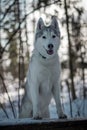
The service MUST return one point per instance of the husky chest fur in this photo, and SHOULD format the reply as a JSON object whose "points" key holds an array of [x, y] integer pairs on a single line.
{"points": [[43, 77]]}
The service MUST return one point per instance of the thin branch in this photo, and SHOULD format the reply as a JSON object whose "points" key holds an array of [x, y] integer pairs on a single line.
{"points": [[7, 10], [4, 110], [26, 31], [24, 20], [8, 96], [20, 52], [70, 101]]}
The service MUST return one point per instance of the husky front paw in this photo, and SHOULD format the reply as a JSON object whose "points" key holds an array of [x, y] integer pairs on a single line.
{"points": [[37, 118], [63, 116]]}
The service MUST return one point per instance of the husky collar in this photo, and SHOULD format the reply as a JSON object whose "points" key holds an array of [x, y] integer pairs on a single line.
{"points": [[42, 56]]}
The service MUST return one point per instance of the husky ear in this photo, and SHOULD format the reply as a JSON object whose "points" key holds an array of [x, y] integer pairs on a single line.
{"points": [[40, 24], [54, 23]]}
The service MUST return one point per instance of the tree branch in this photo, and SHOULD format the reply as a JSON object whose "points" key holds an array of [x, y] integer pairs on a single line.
{"points": [[23, 21], [8, 96]]}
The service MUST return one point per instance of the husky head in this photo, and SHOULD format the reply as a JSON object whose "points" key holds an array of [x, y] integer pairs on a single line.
{"points": [[47, 39]]}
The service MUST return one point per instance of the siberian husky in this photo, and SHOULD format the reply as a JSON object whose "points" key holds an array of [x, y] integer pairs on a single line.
{"points": [[43, 77]]}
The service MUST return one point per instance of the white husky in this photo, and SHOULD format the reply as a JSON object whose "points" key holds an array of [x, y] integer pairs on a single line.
{"points": [[43, 78]]}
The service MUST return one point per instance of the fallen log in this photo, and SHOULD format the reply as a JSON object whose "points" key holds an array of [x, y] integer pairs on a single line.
{"points": [[54, 124]]}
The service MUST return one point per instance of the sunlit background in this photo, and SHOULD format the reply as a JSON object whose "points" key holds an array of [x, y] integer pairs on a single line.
{"points": [[18, 19]]}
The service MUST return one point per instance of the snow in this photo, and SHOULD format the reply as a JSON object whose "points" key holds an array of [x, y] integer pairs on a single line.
{"points": [[73, 109], [79, 109]]}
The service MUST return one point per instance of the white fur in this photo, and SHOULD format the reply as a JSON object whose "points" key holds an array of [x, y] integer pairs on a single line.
{"points": [[43, 77]]}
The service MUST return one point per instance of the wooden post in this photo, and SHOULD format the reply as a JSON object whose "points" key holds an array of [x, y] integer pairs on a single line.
{"points": [[55, 124]]}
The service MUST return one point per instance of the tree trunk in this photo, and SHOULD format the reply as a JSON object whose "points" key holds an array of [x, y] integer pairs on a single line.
{"points": [[69, 51]]}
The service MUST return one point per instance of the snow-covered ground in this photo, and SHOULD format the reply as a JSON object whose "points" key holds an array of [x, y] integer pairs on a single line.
{"points": [[78, 108]]}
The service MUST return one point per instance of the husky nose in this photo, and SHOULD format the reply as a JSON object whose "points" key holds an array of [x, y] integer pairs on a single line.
{"points": [[50, 46]]}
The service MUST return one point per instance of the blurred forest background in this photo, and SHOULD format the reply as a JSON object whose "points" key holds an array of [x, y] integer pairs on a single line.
{"points": [[17, 28]]}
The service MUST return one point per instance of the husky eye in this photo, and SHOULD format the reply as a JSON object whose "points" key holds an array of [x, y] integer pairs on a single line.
{"points": [[53, 36], [44, 37]]}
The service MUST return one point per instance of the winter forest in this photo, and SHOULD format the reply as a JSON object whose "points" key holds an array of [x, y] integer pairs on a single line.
{"points": [[18, 19]]}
